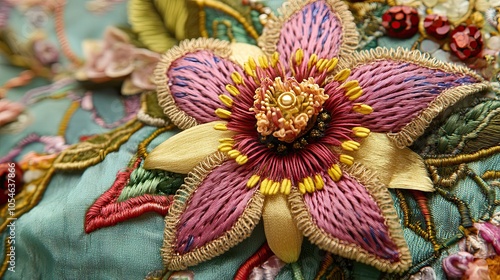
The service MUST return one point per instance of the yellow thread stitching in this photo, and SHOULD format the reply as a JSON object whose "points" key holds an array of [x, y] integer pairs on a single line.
{"points": [[222, 113], [220, 127], [226, 100], [67, 117], [361, 132], [467, 158], [362, 108], [335, 172]]}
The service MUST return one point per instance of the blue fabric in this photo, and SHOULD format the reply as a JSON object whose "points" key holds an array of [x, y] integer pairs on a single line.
{"points": [[50, 239]]}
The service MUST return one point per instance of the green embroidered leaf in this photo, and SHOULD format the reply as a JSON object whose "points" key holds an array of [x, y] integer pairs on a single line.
{"points": [[160, 24], [95, 149], [20, 54], [151, 113], [467, 130], [156, 182], [226, 20]]}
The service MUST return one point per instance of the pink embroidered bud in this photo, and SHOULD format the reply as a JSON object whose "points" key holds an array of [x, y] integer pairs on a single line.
{"points": [[490, 234], [455, 265]]}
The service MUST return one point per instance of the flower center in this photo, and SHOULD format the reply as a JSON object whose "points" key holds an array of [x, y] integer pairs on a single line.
{"points": [[287, 109]]}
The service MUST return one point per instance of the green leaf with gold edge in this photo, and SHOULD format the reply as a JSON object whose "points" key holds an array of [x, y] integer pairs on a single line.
{"points": [[95, 149]]}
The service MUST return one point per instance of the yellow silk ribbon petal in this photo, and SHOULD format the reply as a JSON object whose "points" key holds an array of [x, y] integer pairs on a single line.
{"points": [[395, 167], [183, 151], [283, 236], [241, 52]]}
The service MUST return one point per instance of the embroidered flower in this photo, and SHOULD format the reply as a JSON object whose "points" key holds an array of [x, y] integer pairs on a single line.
{"points": [[457, 264], [306, 134], [46, 52], [464, 266], [9, 111], [142, 77], [115, 57], [489, 233]]}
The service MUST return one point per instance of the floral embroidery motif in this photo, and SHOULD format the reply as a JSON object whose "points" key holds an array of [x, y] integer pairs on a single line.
{"points": [[117, 205], [117, 58], [305, 135], [95, 149], [479, 254]]}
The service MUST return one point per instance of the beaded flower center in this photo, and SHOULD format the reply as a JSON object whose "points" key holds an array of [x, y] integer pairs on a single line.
{"points": [[287, 109], [301, 129]]}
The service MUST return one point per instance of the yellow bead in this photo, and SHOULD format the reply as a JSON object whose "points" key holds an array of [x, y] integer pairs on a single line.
{"points": [[225, 147], [324, 65], [226, 140], [274, 59], [312, 61], [350, 84], [248, 70], [332, 64], [342, 75], [335, 172], [318, 63], [346, 159], [318, 182], [220, 126], [350, 145], [302, 188], [232, 90], [251, 63], [233, 153], [361, 132], [275, 188], [286, 186], [222, 113], [241, 159], [362, 108], [226, 100], [237, 78], [264, 186], [252, 182], [299, 56], [354, 93], [309, 183], [263, 62]]}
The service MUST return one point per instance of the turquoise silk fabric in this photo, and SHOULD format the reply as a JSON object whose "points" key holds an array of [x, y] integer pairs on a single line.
{"points": [[50, 238]]}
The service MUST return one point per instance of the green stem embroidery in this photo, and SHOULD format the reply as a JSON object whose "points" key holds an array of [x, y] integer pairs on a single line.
{"points": [[297, 273]]}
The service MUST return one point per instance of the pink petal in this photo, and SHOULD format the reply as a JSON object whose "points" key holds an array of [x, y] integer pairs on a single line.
{"points": [[211, 213], [355, 220], [9, 111], [145, 63], [407, 90], [455, 265], [490, 233], [190, 78], [122, 60], [325, 28]]}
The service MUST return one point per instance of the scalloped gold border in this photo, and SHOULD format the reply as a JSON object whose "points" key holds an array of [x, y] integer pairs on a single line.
{"points": [[165, 99], [339, 247], [240, 230], [270, 35], [411, 131]]}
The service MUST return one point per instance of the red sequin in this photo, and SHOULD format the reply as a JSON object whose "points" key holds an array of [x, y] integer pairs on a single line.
{"points": [[466, 41], [437, 26], [400, 22]]}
